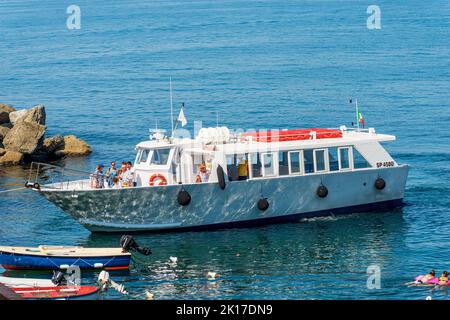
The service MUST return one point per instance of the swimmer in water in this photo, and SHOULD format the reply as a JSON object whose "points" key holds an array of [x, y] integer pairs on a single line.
{"points": [[443, 279], [427, 277]]}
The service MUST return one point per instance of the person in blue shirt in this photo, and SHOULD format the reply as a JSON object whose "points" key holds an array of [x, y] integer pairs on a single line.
{"points": [[111, 173]]}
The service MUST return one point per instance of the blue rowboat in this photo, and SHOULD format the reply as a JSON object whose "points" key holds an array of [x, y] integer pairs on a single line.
{"points": [[61, 257]]}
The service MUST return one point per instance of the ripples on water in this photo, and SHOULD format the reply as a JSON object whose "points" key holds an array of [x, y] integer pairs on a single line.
{"points": [[261, 64]]}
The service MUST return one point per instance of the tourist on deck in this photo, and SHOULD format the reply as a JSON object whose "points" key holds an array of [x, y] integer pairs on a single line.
{"points": [[131, 169], [121, 172], [203, 173], [243, 170], [97, 177], [128, 176], [111, 173], [116, 183]]}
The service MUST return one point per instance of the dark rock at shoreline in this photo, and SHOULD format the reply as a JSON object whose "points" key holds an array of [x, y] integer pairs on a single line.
{"points": [[3, 132], [5, 110]]}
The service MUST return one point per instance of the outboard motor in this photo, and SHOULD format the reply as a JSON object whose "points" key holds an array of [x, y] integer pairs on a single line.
{"points": [[128, 244], [59, 278]]}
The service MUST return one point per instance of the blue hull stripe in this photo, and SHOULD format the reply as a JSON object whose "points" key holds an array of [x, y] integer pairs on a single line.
{"points": [[23, 261]]}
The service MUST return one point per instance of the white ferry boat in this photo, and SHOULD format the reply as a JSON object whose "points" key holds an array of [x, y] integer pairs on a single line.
{"points": [[255, 178]]}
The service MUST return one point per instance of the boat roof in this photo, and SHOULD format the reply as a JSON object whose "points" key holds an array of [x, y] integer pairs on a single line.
{"points": [[257, 141], [60, 251]]}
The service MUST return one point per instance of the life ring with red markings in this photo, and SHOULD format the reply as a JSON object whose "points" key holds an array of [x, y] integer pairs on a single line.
{"points": [[160, 177]]}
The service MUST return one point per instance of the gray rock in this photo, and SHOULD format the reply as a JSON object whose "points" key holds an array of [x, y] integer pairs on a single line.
{"points": [[6, 125], [25, 137], [3, 132], [11, 158], [35, 114], [5, 110], [53, 143]]}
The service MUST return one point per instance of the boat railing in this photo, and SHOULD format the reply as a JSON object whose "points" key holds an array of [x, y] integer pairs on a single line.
{"points": [[58, 177]]}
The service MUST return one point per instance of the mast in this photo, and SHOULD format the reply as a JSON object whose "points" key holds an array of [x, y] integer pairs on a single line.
{"points": [[357, 114], [171, 106]]}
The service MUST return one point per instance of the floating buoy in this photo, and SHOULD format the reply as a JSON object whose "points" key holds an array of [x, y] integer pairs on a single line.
{"points": [[221, 177], [211, 275], [184, 198], [322, 191], [263, 204], [380, 183], [173, 259], [149, 295]]}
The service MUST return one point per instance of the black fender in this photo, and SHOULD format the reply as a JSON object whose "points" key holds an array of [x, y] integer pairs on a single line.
{"points": [[184, 198], [322, 191], [263, 204], [221, 177]]}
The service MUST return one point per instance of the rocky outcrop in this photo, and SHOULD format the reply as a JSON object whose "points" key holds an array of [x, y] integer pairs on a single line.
{"points": [[3, 132], [22, 138], [25, 137], [11, 158], [5, 110], [52, 144], [35, 114], [73, 146]]}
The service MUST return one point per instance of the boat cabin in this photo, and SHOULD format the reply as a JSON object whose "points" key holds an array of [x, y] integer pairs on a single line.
{"points": [[169, 161]]}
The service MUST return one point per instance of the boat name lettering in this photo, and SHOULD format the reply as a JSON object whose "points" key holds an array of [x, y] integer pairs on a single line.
{"points": [[385, 164]]}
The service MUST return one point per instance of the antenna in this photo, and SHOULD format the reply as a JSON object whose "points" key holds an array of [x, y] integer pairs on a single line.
{"points": [[171, 104], [357, 112]]}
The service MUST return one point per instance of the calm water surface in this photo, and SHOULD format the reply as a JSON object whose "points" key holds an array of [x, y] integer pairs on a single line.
{"points": [[266, 64]]}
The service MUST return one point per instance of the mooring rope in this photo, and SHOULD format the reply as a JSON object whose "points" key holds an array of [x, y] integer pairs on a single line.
{"points": [[10, 190]]}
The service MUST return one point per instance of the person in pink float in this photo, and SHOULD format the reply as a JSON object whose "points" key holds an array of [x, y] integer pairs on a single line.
{"points": [[427, 278]]}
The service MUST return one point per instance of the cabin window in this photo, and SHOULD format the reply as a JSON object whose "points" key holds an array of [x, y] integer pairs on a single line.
{"points": [[268, 162], [160, 156], [359, 162], [256, 169], [237, 166], [143, 156], [344, 158], [308, 159], [333, 159], [294, 162], [283, 163], [319, 160]]}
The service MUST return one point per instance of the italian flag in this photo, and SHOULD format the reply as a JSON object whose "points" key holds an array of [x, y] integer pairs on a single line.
{"points": [[360, 119]]}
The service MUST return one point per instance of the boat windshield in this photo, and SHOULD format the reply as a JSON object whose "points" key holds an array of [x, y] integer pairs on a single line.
{"points": [[160, 156]]}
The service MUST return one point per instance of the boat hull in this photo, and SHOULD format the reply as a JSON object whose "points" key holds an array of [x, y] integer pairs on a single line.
{"points": [[291, 198], [14, 261]]}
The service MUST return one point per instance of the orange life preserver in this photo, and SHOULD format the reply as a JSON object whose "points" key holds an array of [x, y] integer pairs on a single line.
{"points": [[159, 176]]}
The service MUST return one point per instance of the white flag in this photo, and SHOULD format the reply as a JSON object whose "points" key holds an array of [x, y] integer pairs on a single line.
{"points": [[182, 118]]}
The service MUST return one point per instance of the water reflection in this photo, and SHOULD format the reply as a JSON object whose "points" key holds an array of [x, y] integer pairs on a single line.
{"points": [[289, 260]]}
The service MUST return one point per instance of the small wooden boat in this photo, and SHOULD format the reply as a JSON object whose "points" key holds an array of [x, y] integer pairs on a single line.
{"points": [[26, 282], [56, 292], [61, 257]]}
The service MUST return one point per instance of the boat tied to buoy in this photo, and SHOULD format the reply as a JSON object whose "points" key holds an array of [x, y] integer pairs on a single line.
{"points": [[223, 178]]}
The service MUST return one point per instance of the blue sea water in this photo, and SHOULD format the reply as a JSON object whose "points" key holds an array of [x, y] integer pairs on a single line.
{"points": [[259, 64]]}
